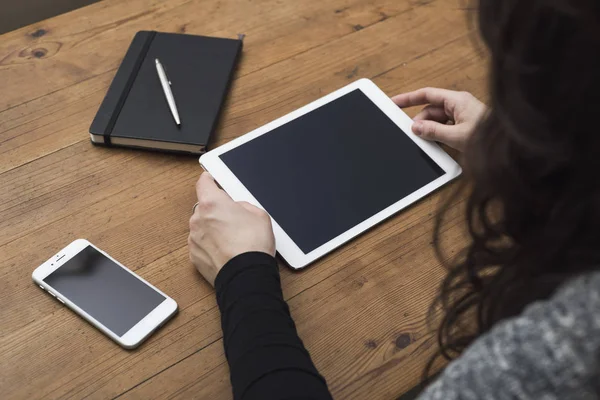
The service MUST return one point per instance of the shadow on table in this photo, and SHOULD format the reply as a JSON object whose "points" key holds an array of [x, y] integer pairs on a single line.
{"points": [[412, 394], [16, 14]]}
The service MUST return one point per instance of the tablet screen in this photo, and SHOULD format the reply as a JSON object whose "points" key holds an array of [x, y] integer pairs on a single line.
{"points": [[331, 169]]}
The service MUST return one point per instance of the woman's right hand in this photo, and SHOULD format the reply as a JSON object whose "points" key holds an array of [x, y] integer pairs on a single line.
{"points": [[461, 109], [221, 229]]}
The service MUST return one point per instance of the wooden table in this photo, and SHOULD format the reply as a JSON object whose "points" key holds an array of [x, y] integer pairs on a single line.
{"points": [[361, 311]]}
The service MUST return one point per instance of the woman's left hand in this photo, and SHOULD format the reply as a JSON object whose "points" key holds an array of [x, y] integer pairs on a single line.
{"points": [[221, 229], [461, 109]]}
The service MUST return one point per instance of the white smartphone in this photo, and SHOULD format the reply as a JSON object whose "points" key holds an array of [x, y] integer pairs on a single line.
{"points": [[105, 293]]}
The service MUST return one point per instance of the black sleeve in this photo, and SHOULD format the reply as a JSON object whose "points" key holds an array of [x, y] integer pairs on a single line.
{"points": [[267, 359]]}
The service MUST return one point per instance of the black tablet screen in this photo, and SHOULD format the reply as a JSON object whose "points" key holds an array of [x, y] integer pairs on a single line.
{"points": [[329, 170]]}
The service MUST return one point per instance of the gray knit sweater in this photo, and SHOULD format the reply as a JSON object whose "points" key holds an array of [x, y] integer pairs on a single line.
{"points": [[550, 351]]}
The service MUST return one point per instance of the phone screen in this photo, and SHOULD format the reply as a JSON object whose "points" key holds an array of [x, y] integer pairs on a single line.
{"points": [[104, 290]]}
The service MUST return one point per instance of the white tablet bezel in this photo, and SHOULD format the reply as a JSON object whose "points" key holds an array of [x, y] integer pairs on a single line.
{"points": [[286, 247], [136, 334]]}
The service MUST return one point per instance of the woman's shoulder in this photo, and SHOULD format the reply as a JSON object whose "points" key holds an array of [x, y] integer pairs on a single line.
{"points": [[573, 311], [585, 286], [549, 351]]}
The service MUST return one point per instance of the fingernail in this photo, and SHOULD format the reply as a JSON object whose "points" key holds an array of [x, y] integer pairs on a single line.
{"points": [[418, 128]]}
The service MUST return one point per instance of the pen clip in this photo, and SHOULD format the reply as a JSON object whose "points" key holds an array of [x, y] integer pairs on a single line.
{"points": [[166, 74]]}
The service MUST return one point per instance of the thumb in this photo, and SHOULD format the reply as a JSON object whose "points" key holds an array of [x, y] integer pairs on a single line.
{"points": [[435, 131], [207, 189]]}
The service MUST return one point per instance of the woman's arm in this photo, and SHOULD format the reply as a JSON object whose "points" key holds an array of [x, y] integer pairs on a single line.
{"points": [[232, 246], [266, 357]]}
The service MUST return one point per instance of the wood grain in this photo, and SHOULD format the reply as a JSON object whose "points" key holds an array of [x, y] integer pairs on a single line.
{"points": [[361, 311]]}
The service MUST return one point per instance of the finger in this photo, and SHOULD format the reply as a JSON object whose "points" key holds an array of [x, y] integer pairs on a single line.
{"points": [[432, 113], [431, 130], [420, 97], [207, 189]]}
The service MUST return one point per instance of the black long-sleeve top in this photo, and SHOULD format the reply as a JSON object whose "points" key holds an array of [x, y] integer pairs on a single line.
{"points": [[267, 359]]}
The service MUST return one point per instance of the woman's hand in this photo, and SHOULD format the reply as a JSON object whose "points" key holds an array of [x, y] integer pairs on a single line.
{"points": [[461, 109], [221, 229]]}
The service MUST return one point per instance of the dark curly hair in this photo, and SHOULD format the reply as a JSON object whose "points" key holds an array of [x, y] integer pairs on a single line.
{"points": [[531, 167]]}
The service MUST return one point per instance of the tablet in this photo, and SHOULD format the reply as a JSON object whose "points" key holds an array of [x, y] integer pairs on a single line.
{"points": [[329, 171]]}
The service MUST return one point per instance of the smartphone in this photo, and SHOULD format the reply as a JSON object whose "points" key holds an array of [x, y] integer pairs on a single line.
{"points": [[105, 293]]}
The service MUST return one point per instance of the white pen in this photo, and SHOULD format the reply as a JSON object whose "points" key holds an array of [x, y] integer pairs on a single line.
{"points": [[166, 85]]}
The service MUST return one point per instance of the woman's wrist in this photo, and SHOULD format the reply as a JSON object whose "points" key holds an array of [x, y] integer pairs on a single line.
{"points": [[238, 263]]}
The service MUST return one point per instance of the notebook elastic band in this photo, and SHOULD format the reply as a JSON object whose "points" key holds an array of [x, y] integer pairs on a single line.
{"points": [[127, 88]]}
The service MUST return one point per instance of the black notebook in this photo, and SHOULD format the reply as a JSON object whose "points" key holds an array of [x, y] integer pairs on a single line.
{"points": [[135, 112]]}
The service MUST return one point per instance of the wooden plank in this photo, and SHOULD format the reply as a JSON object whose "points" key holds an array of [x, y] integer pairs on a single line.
{"points": [[64, 104], [127, 171], [196, 327], [367, 320], [93, 365], [90, 356], [253, 105], [404, 284], [360, 310]]}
